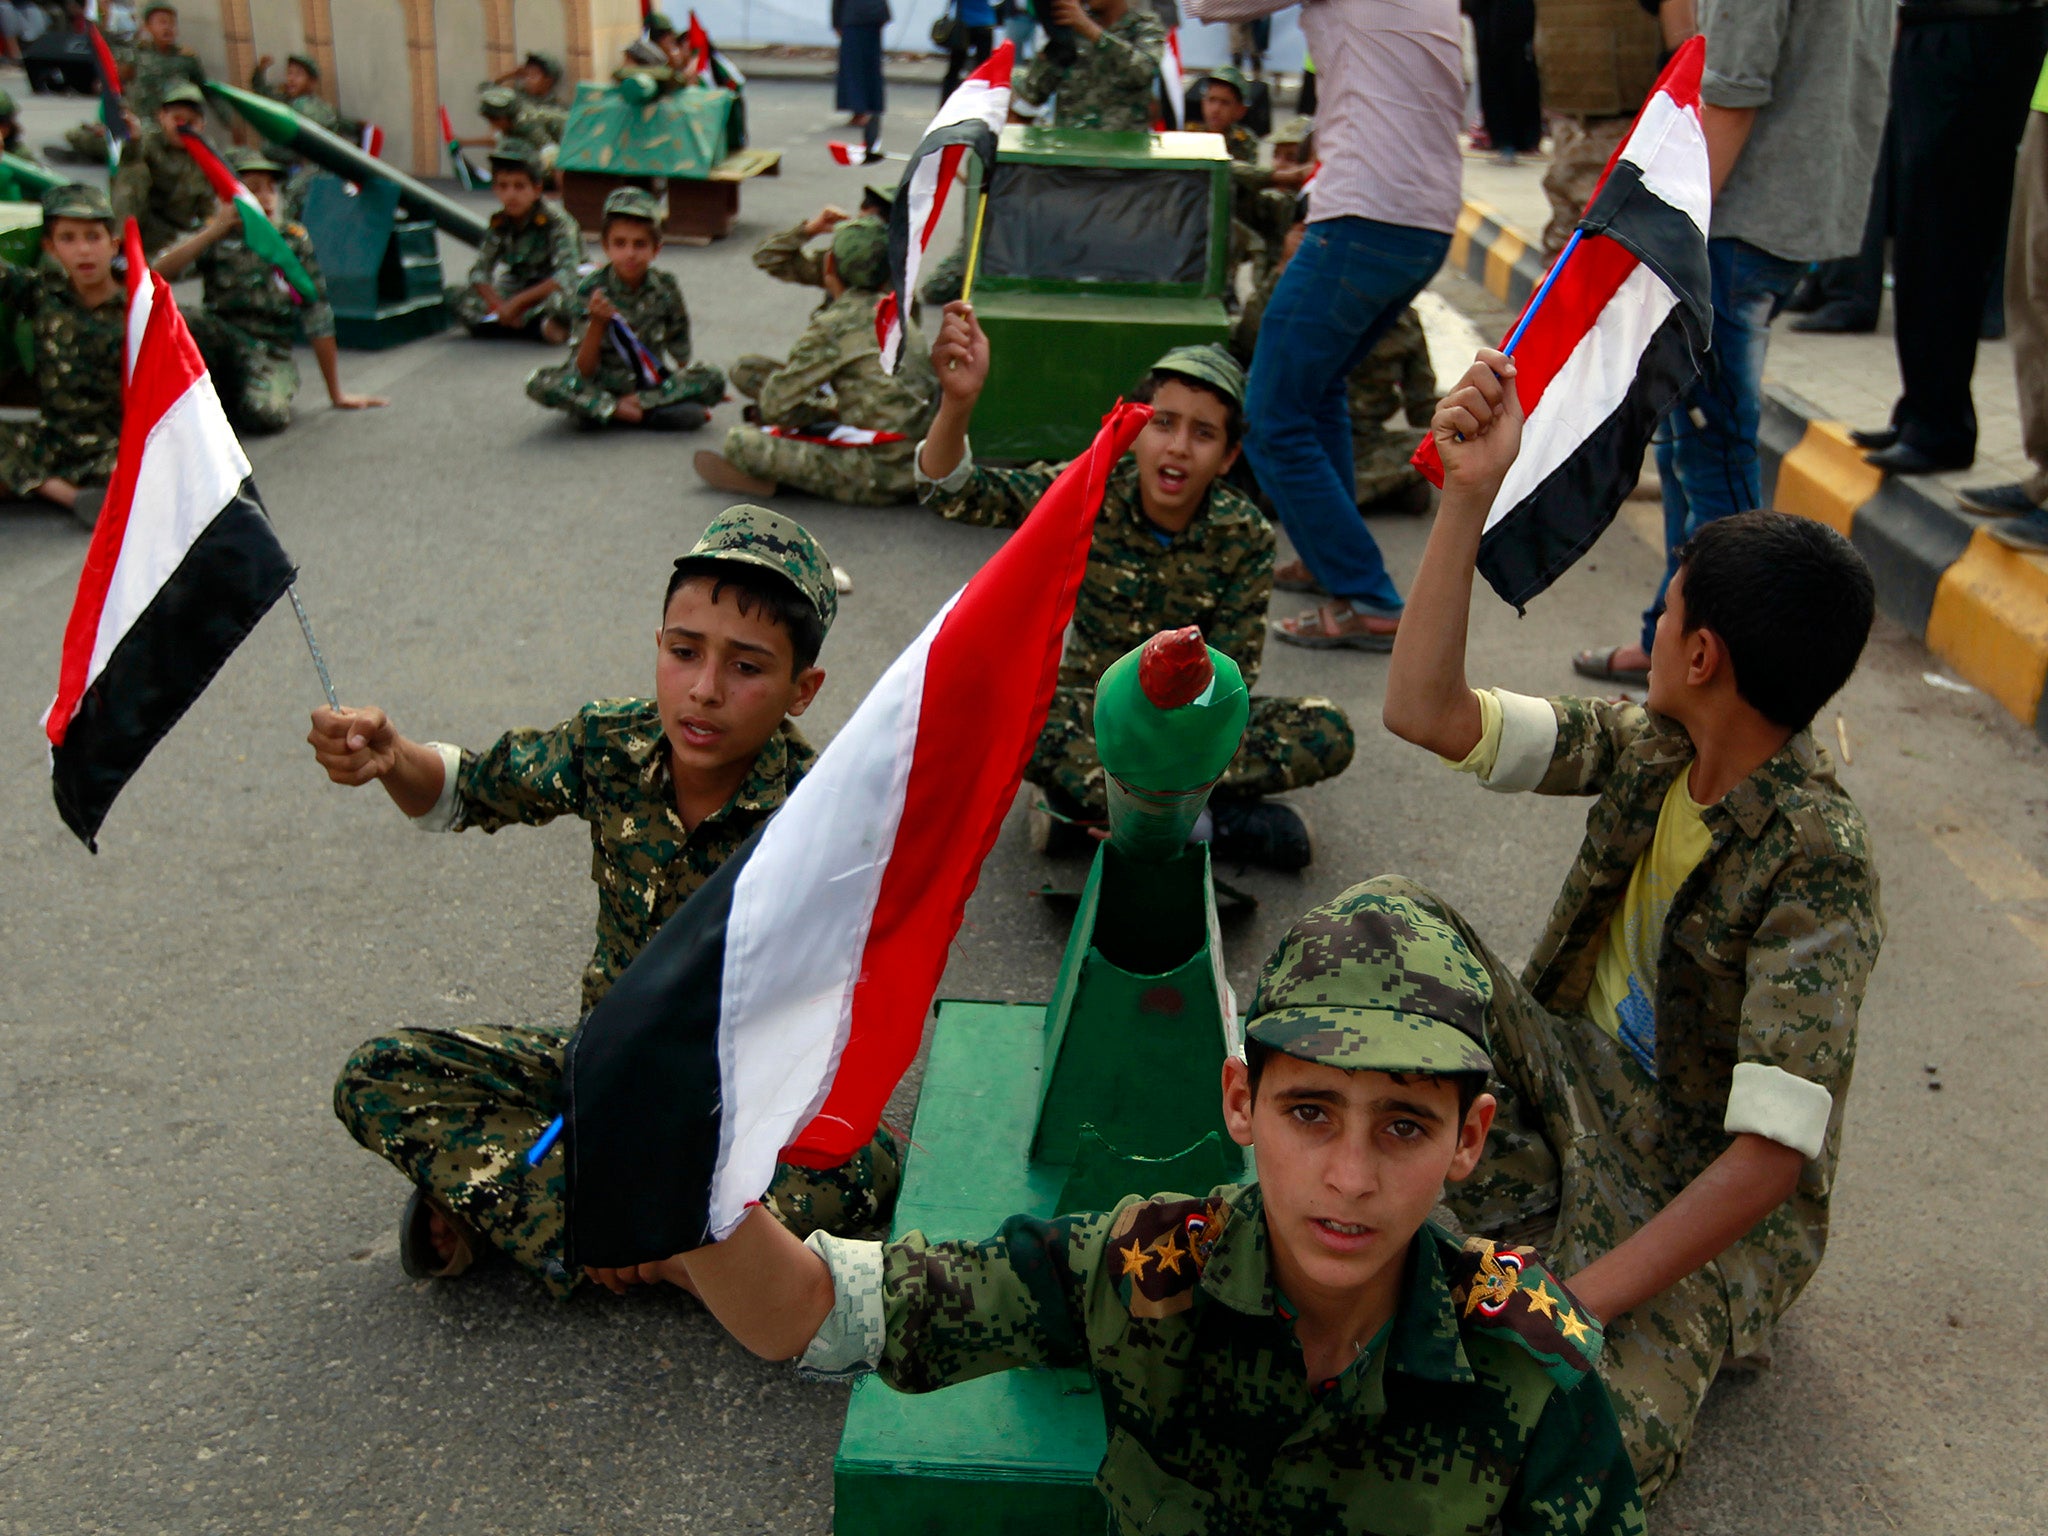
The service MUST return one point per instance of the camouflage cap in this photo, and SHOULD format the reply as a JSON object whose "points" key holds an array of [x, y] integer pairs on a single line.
{"points": [[875, 192], [7, 106], [184, 93], [76, 200], [1231, 76], [498, 101], [154, 6], [246, 160], [517, 155], [305, 62], [860, 252], [1212, 364], [546, 63], [1373, 982], [658, 25], [753, 535], [632, 203], [1296, 130]]}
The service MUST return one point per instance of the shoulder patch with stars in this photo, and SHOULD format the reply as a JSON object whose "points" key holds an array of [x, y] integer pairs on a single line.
{"points": [[1506, 1293], [1159, 1248]]}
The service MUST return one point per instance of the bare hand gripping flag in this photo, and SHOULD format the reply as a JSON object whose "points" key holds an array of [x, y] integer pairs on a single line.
{"points": [[770, 1019], [182, 564], [1611, 347]]}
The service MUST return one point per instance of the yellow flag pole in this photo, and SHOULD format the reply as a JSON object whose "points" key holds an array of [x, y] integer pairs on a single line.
{"points": [[974, 250]]}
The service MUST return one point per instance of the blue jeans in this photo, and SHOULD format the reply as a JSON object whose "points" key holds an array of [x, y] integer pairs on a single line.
{"points": [[1708, 464], [1346, 285]]}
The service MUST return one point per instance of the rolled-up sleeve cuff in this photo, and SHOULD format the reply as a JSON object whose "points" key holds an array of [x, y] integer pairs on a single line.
{"points": [[1528, 741], [1736, 92], [444, 813], [848, 1344], [951, 484], [1770, 1102]]}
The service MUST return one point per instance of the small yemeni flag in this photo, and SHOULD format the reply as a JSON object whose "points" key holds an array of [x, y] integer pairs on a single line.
{"points": [[841, 436], [258, 233], [1172, 88], [647, 368], [182, 564], [1615, 342], [111, 113], [372, 139], [465, 173], [970, 119], [770, 1019]]}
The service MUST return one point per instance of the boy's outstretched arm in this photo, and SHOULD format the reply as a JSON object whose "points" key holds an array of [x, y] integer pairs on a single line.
{"points": [[771, 1292], [960, 358], [356, 746], [1478, 430]]}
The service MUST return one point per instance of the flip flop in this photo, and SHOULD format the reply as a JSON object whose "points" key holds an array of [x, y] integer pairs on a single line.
{"points": [[1599, 665], [1335, 627], [417, 1255]]}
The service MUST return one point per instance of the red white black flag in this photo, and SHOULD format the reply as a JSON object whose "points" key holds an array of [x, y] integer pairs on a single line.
{"points": [[1612, 345], [182, 564], [770, 1019], [970, 121]]}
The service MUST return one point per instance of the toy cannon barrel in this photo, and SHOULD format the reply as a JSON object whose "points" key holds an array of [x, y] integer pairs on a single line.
{"points": [[25, 181], [282, 126], [1168, 719]]}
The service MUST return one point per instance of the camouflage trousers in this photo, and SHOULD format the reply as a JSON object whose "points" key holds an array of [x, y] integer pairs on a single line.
{"points": [[1578, 157], [1379, 460], [1288, 744], [1573, 1166], [87, 139], [456, 1111], [880, 476], [467, 305], [33, 451], [563, 388], [257, 382]]}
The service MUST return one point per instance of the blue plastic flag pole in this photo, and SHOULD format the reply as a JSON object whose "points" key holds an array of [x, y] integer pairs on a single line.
{"points": [[547, 1139], [1542, 292]]}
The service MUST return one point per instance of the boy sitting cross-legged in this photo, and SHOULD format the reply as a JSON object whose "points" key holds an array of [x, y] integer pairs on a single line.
{"points": [[525, 271], [1307, 1352], [1673, 1061], [671, 787]]}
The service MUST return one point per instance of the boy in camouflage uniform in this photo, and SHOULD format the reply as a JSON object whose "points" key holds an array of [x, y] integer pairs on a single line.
{"points": [[11, 140], [1174, 545], [785, 256], [1307, 1353], [600, 384], [526, 269], [158, 184], [300, 92], [1674, 1060], [516, 120], [671, 786], [77, 315], [250, 317], [859, 423], [151, 66], [1108, 78]]}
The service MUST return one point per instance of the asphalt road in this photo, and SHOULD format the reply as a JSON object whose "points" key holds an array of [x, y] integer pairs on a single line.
{"points": [[204, 1323]]}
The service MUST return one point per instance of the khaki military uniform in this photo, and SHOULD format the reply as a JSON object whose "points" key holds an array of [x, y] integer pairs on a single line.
{"points": [[162, 188], [1474, 1409], [1766, 952], [147, 73], [1113, 81], [1598, 60], [78, 355], [457, 1110], [785, 258], [834, 378], [1217, 574], [248, 323], [514, 257], [656, 312]]}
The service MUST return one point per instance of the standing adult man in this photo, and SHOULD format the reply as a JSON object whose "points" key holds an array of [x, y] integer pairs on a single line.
{"points": [[1101, 60], [1598, 60], [1380, 223], [1792, 102], [1961, 74]]}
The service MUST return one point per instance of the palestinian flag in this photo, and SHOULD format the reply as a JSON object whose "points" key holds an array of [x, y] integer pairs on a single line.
{"points": [[182, 564], [112, 114], [770, 1019], [466, 175], [258, 233], [711, 64], [1173, 89], [970, 120], [1614, 338]]}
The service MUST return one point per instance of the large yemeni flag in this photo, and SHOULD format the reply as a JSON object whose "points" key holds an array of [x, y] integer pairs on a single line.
{"points": [[1615, 342], [182, 564], [1173, 91], [770, 1019], [969, 122]]}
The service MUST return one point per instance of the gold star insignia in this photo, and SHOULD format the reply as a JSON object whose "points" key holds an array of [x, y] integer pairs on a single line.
{"points": [[1135, 1259], [1169, 1257], [1568, 1323], [1540, 1300]]}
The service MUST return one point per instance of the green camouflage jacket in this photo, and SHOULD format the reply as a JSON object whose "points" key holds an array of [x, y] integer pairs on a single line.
{"points": [[834, 375], [608, 765], [1112, 82], [656, 312], [1766, 951], [162, 188], [1476, 1409], [151, 72], [538, 125], [78, 353], [1243, 145], [514, 257], [244, 290], [784, 258], [1216, 573]]}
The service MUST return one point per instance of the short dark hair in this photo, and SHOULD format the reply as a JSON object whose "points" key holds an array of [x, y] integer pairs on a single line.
{"points": [[610, 219], [756, 586], [1233, 422], [1470, 1084], [1792, 601]]}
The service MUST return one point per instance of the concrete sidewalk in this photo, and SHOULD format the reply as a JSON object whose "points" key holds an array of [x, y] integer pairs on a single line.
{"points": [[1979, 606]]}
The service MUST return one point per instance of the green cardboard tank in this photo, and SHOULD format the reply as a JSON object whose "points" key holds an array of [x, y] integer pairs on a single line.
{"points": [[1099, 253], [690, 141]]}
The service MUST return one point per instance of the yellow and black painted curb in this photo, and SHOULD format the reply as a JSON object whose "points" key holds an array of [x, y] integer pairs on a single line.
{"points": [[1498, 257], [1979, 606]]}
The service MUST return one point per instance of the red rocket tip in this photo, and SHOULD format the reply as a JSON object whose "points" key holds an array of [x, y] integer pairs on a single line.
{"points": [[1174, 667]]}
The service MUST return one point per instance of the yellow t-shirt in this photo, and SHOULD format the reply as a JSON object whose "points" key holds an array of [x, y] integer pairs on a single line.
{"points": [[1623, 996]]}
